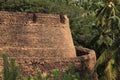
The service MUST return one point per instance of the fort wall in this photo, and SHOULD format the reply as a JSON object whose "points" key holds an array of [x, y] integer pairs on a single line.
{"points": [[42, 42], [35, 35]]}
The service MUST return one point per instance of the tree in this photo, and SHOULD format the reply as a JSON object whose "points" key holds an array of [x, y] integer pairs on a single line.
{"points": [[108, 39]]}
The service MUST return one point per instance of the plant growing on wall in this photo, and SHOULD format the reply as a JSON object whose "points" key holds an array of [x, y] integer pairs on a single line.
{"points": [[10, 70]]}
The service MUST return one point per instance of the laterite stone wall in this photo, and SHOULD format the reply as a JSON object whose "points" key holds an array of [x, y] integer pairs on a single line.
{"points": [[35, 35], [42, 42]]}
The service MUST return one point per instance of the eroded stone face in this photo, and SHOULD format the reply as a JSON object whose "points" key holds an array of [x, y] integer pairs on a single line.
{"points": [[35, 35], [42, 42], [84, 64]]}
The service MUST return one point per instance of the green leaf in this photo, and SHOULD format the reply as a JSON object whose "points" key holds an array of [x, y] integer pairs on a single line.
{"points": [[100, 40], [107, 55], [109, 41]]}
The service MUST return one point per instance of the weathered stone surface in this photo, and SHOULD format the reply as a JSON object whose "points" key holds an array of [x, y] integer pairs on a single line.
{"points": [[83, 64], [35, 34], [42, 42], [88, 58]]}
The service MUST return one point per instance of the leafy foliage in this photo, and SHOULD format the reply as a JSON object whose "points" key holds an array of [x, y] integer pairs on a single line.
{"points": [[10, 69], [108, 24]]}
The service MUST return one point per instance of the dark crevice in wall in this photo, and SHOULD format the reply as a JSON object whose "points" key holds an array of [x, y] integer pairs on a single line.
{"points": [[62, 19], [34, 18]]}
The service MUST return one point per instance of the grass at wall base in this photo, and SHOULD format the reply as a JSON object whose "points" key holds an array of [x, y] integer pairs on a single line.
{"points": [[10, 72]]}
